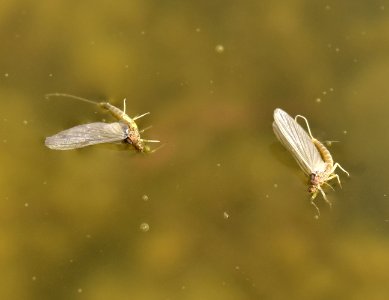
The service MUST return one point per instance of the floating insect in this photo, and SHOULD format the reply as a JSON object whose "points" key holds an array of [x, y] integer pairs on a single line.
{"points": [[312, 156], [96, 133]]}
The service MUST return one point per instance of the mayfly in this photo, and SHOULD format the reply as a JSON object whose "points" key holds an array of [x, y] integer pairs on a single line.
{"points": [[96, 133], [312, 156]]}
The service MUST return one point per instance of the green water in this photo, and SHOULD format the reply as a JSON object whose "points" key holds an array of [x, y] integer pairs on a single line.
{"points": [[222, 210]]}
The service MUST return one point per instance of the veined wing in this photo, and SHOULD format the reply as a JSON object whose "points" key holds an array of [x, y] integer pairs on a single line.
{"points": [[298, 142], [88, 134]]}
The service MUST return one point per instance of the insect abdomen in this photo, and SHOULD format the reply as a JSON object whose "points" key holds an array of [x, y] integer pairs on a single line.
{"points": [[325, 154], [116, 112]]}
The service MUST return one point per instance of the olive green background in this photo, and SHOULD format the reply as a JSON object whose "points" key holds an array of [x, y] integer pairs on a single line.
{"points": [[228, 209]]}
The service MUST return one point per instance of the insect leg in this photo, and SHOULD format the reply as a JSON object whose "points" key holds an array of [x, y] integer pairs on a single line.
{"points": [[140, 116], [144, 129], [124, 105], [150, 141], [314, 204], [154, 150], [306, 122], [333, 176], [329, 184], [336, 165], [324, 196]]}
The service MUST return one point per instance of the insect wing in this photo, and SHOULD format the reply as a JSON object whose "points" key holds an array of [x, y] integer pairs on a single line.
{"points": [[88, 134], [298, 142]]}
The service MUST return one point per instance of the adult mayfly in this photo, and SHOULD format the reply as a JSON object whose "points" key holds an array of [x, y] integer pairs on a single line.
{"points": [[312, 156], [96, 133]]}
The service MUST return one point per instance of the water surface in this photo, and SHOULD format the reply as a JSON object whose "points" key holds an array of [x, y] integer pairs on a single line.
{"points": [[222, 211]]}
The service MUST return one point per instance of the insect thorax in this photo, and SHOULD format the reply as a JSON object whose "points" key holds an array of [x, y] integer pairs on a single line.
{"points": [[315, 180], [135, 140]]}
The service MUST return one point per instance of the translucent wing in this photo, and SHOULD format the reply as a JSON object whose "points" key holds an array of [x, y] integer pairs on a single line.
{"points": [[88, 134], [298, 142]]}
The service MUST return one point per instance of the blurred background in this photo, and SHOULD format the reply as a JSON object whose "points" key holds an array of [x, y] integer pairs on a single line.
{"points": [[222, 210]]}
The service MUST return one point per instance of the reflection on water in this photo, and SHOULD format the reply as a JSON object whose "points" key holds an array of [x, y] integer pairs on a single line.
{"points": [[222, 211]]}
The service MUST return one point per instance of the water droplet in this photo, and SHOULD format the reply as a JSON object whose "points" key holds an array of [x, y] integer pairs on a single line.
{"points": [[226, 215], [25, 122], [145, 198], [79, 290], [318, 100]]}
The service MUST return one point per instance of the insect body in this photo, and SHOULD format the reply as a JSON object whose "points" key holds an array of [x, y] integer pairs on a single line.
{"points": [[132, 133], [312, 156]]}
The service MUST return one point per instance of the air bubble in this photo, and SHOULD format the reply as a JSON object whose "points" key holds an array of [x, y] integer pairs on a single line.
{"points": [[144, 227], [219, 49]]}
